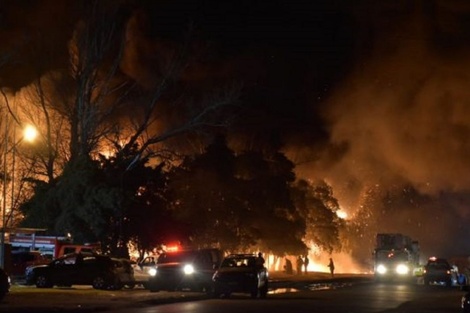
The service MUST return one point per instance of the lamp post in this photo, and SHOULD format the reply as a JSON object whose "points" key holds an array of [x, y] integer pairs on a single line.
{"points": [[29, 134]]}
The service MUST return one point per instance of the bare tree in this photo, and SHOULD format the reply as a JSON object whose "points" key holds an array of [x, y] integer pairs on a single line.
{"points": [[9, 122], [110, 109], [93, 68]]}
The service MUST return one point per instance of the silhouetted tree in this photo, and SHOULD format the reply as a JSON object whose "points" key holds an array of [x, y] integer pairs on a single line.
{"points": [[318, 207], [273, 217], [205, 194]]}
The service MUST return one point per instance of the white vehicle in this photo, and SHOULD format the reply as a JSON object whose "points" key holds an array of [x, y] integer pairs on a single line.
{"points": [[143, 269]]}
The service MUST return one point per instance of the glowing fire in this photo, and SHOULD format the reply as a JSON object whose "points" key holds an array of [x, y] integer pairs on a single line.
{"points": [[342, 214]]}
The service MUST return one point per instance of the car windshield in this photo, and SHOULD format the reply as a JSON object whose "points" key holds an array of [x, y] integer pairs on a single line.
{"points": [[180, 257], [438, 265]]}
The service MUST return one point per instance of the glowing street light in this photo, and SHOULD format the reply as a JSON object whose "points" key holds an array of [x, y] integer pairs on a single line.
{"points": [[30, 133]]}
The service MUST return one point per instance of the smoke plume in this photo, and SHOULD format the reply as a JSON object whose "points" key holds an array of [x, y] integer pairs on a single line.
{"points": [[402, 119]]}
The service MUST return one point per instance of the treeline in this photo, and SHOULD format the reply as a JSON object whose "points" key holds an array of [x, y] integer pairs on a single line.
{"points": [[235, 201]]}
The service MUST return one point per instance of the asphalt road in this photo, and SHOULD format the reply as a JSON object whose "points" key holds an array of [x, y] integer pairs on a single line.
{"points": [[361, 298], [86, 299], [307, 293]]}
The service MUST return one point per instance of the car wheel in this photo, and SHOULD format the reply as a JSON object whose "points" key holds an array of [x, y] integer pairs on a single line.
{"points": [[3, 289], [215, 294], [263, 292], [116, 285], [99, 282], [207, 289], [254, 293], [152, 287], [43, 282]]}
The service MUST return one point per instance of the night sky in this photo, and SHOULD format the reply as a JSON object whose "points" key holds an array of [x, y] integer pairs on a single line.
{"points": [[364, 94]]}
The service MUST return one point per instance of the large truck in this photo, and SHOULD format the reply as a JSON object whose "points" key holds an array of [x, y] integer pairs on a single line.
{"points": [[396, 256], [52, 246]]}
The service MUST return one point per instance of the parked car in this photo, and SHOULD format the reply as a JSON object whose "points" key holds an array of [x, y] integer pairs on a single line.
{"points": [[77, 269], [20, 260], [125, 273], [4, 283], [437, 271], [142, 270], [185, 270], [241, 273]]}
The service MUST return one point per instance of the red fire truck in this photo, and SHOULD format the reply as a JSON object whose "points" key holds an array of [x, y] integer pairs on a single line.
{"points": [[51, 246]]}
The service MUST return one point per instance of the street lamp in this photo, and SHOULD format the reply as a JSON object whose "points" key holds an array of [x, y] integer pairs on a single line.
{"points": [[29, 134]]}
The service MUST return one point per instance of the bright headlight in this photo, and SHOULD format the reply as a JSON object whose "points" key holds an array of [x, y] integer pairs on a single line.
{"points": [[152, 271], [465, 301], [402, 269], [381, 269], [188, 269]]}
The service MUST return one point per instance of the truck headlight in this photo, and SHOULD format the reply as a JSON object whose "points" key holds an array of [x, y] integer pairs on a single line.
{"points": [[402, 269], [381, 269], [188, 269]]}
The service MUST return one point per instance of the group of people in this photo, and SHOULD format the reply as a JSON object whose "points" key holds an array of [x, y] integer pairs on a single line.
{"points": [[302, 265], [302, 262]]}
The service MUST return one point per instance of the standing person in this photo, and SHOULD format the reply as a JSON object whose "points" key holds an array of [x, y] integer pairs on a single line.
{"points": [[260, 260], [331, 265], [299, 265], [288, 267], [306, 261]]}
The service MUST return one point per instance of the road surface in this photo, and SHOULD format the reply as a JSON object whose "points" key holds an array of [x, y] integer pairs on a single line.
{"points": [[345, 294]]}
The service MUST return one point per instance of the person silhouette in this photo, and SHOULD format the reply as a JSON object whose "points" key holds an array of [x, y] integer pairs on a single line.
{"points": [[260, 260], [288, 267], [331, 265], [299, 265]]}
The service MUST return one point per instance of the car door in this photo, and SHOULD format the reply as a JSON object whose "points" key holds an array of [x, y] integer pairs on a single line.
{"points": [[63, 270], [94, 266], [205, 267], [141, 269]]}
